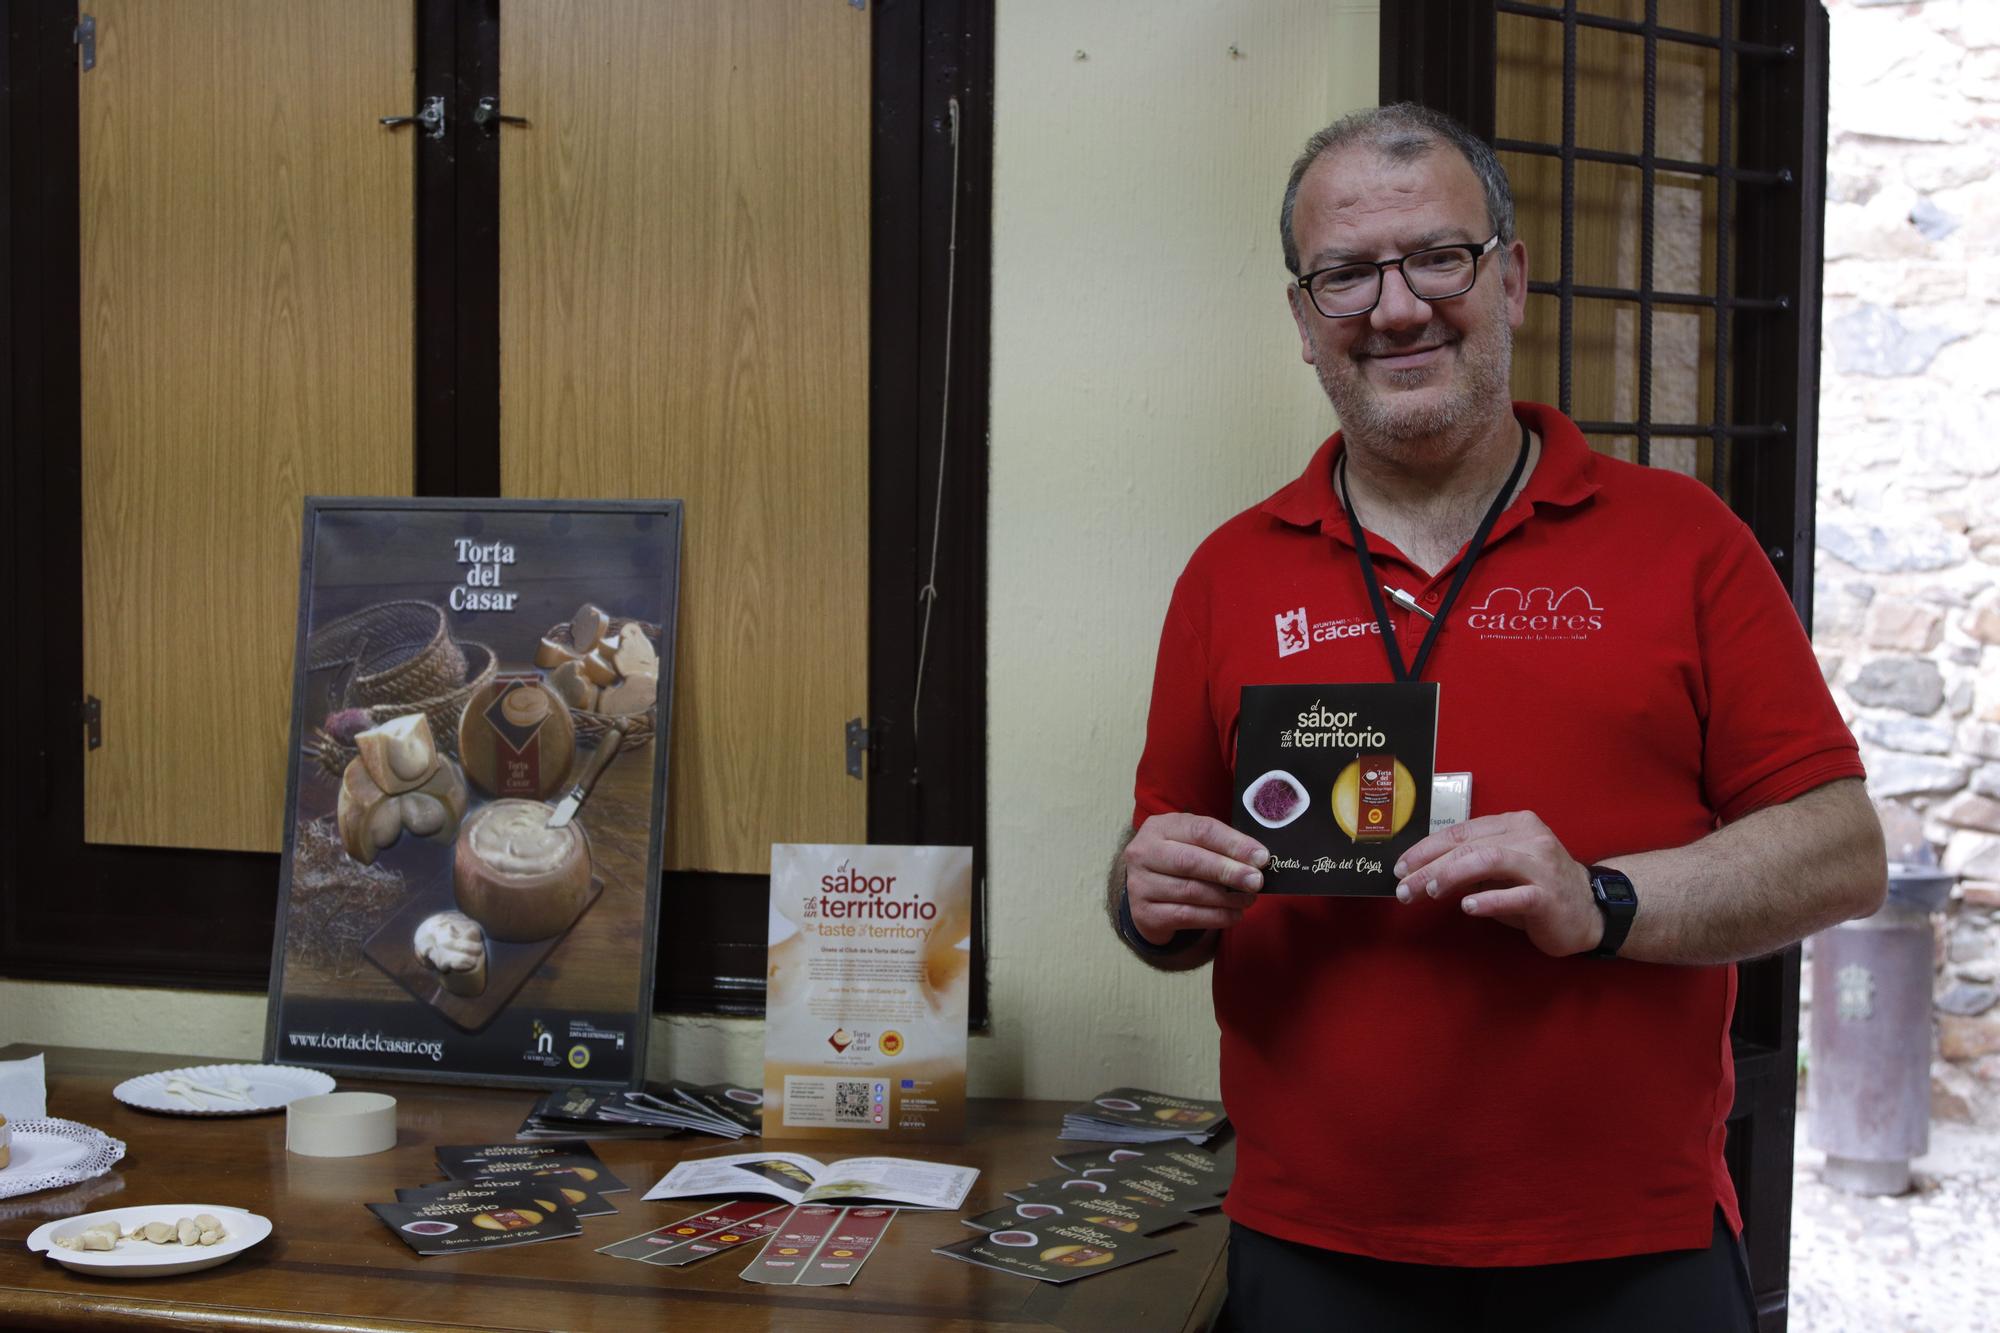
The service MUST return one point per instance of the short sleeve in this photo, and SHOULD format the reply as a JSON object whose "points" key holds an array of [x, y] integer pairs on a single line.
{"points": [[1183, 768], [1771, 731]]}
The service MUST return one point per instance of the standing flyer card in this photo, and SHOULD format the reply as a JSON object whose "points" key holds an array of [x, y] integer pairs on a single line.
{"points": [[1335, 780], [865, 1011]]}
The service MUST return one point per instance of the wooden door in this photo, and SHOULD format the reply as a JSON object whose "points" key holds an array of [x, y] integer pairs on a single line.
{"points": [[684, 313], [247, 286]]}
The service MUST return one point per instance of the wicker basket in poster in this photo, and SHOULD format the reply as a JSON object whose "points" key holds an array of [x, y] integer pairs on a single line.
{"points": [[397, 658], [593, 727]]}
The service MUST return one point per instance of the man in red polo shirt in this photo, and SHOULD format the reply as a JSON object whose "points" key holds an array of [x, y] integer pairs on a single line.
{"points": [[1496, 1100]]}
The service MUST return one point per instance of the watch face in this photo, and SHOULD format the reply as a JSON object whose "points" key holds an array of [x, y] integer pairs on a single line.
{"points": [[1616, 890]]}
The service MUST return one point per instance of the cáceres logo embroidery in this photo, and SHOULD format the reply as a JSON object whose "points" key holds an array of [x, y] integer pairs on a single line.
{"points": [[1297, 631], [1292, 636], [1537, 613]]}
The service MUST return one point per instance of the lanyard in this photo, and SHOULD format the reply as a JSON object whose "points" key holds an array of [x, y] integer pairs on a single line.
{"points": [[1415, 671]]}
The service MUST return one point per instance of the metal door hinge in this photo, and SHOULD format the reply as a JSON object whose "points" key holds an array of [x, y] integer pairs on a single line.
{"points": [[85, 38], [860, 740], [92, 712]]}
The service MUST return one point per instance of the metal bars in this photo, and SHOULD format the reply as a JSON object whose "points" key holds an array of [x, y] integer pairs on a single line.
{"points": [[1604, 21], [1724, 305], [1648, 139], [1566, 334], [1725, 218], [1695, 299], [1668, 164]]}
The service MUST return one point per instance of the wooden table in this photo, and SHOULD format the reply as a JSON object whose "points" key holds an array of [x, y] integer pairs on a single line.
{"points": [[329, 1264]]}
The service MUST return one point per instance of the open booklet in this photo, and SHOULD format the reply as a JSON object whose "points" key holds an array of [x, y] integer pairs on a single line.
{"points": [[796, 1179]]}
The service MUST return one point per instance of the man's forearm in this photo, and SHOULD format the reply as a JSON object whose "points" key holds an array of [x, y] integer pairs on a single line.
{"points": [[1767, 880], [1180, 960]]}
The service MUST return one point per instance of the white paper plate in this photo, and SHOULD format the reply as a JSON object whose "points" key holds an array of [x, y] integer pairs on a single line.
{"points": [[138, 1258], [272, 1088], [49, 1153]]}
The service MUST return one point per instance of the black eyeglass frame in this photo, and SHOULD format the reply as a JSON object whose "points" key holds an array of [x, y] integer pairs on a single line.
{"points": [[1382, 267]]}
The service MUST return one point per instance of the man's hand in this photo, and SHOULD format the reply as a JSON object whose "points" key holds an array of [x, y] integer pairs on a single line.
{"points": [[1190, 872], [1513, 869]]}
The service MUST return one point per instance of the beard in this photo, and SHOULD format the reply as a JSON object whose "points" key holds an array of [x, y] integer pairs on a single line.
{"points": [[1392, 417]]}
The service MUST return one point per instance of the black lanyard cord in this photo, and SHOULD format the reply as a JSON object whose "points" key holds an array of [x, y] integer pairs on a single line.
{"points": [[1415, 671]]}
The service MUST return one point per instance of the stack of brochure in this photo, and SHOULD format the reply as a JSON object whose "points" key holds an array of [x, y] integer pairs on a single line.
{"points": [[1135, 1115], [1103, 1215], [502, 1194], [720, 1109]]}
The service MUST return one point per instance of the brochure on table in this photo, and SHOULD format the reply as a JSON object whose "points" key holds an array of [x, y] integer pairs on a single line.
{"points": [[797, 1179], [864, 1027], [1056, 1250]]}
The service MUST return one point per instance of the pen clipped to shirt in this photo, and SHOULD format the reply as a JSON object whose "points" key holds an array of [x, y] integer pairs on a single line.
{"points": [[1407, 602]]}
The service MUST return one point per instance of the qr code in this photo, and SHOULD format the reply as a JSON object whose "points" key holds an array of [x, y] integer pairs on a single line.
{"points": [[850, 1102]]}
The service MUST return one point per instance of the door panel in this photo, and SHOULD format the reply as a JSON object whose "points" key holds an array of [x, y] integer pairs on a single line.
{"points": [[247, 284], [684, 313]]}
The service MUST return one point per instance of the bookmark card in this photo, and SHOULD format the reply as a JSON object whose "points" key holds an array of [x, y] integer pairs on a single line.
{"points": [[1141, 1215], [820, 1245], [476, 1218], [467, 1161], [1336, 781], [1055, 1252], [680, 1243]]}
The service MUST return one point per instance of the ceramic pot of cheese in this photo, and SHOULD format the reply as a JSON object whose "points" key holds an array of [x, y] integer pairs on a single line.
{"points": [[516, 876]]}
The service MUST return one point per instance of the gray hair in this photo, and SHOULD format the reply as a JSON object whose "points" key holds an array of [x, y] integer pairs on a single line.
{"points": [[1402, 132]]}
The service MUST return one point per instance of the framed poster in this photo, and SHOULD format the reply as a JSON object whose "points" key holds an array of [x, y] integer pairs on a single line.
{"points": [[481, 699]]}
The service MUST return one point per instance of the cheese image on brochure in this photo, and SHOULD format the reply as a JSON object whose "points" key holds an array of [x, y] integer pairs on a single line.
{"points": [[797, 1179], [867, 976]]}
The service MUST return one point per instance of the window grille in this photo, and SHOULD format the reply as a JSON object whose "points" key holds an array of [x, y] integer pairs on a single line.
{"points": [[1756, 419]]}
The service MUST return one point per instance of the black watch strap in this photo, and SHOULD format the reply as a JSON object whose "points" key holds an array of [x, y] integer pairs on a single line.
{"points": [[1617, 903], [1128, 931]]}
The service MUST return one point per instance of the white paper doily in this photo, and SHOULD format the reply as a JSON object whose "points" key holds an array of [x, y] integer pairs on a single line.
{"points": [[49, 1153]]}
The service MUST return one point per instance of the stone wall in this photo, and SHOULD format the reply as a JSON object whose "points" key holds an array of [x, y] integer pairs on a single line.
{"points": [[1907, 580]]}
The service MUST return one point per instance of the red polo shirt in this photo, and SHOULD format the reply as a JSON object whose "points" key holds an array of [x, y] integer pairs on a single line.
{"points": [[1417, 1085]]}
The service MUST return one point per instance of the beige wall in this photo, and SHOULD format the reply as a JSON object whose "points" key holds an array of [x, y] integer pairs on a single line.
{"points": [[1145, 386]]}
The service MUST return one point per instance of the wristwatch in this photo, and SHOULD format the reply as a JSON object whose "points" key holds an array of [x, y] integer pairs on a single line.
{"points": [[1612, 891]]}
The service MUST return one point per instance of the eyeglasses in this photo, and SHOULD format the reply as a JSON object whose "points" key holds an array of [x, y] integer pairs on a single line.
{"points": [[1436, 274]]}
